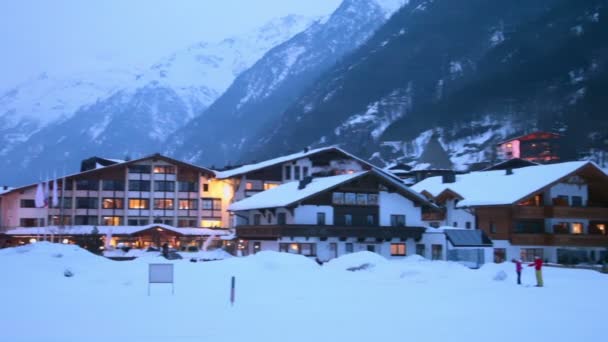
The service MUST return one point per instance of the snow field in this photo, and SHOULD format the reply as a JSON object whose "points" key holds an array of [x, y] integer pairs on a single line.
{"points": [[283, 297]]}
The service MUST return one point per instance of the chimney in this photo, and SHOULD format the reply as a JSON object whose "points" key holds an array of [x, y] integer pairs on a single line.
{"points": [[509, 171], [5, 187], [306, 149], [304, 182], [448, 178]]}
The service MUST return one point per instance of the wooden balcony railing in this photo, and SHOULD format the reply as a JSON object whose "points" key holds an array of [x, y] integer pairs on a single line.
{"points": [[530, 212], [276, 231], [566, 240]]}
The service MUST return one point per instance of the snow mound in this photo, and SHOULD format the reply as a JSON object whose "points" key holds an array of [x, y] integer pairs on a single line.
{"points": [[275, 261], [355, 261]]}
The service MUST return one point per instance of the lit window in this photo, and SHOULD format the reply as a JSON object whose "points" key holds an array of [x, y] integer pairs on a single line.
{"points": [[112, 203], [211, 224], [397, 249], [185, 204], [249, 186], [163, 203], [138, 203], [111, 220], [268, 186], [577, 228], [166, 169]]}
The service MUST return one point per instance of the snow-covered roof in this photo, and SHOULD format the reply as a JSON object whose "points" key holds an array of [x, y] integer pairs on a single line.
{"points": [[114, 230], [280, 160], [498, 188], [3, 190], [288, 193]]}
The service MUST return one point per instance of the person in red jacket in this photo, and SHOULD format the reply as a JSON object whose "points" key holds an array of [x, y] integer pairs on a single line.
{"points": [[518, 269], [538, 265]]}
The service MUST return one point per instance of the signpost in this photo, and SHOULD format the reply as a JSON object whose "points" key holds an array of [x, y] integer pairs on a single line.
{"points": [[161, 274], [232, 283]]}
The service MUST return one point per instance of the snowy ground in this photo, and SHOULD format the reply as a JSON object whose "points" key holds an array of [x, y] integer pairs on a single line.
{"points": [[283, 297]]}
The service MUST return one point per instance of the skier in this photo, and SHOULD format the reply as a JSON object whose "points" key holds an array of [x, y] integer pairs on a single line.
{"points": [[538, 265], [518, 269]]}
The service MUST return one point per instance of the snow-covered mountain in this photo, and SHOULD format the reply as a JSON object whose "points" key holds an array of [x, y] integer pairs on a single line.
{"points": [[462, 76], [259, 96], [51, 120]]}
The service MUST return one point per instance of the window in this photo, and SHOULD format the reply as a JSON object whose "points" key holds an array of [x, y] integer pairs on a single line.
{"points": [[187, 204], [28, 203], [348, 220], [397, 220], [397, 249], [212, 204], [164, 186], [257, 246], [454, 224], [138, 222], [205, 187], [304, 171], [467, 225], [350, 198], [306, 249], [86, 203], [268, 186], [140, 168], [370, 220], [163, 203], [492, 227], [287, 172], [81, 220], [189, 222], [139, 203], [561, 200], [139, 185], [56, 220], [597, 228], [113, 185], [528, 254], [561, 228], [211, 223], [338, 198], [87, 184], [65, 202], [111, 220], [372, 199], [31, 222], [436, 252], [333, 249], [296, 172], [249, 186], [371, 248], [500, 255], [112, 203], [362, 199], [187, 186], [577, 228], [577, 201], [281, 218], [348, 247], [269, 218], [530, 226], [420, 249], [257, 219], [164, 169], [321, 219]]}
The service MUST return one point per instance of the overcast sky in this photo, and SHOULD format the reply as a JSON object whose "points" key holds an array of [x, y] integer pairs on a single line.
{"points": [[62, 36]]}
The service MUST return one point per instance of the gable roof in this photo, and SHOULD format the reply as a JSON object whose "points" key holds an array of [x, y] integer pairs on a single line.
{"points": [[497, 188], [288, 194], [119, 164], [284, 159]]}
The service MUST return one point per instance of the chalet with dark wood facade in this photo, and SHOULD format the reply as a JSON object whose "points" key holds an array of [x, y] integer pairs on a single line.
{"points": [[557, 211], [540, 147]]}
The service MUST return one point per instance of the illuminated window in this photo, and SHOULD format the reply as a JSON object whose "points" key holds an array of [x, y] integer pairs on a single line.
{"points": [[268, 186], [577, 228], [164, 203], [139, 203], [397, 249], [185, 204], [307, 249], [112, 203], [249, 186], [601, 228], [165, 169], [210, 224], [509, 145], [111, 220]]}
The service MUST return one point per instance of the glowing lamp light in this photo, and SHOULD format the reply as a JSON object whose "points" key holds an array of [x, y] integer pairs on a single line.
{"points": [[33, 240], [65, 241]]}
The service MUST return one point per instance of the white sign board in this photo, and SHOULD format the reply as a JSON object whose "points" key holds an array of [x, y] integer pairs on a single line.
{"points": [[160, 274]]}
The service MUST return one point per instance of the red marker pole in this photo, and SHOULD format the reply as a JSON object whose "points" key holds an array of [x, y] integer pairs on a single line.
{"points": [[232, 291]]}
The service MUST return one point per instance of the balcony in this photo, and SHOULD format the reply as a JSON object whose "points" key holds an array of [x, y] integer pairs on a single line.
{"points": [[570, 240], [276, 231], [532, 212], [438, 215]]}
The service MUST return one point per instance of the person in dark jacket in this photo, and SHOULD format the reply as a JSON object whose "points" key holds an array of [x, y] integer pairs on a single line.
{"points": [[518, 269], [538, 266]]}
